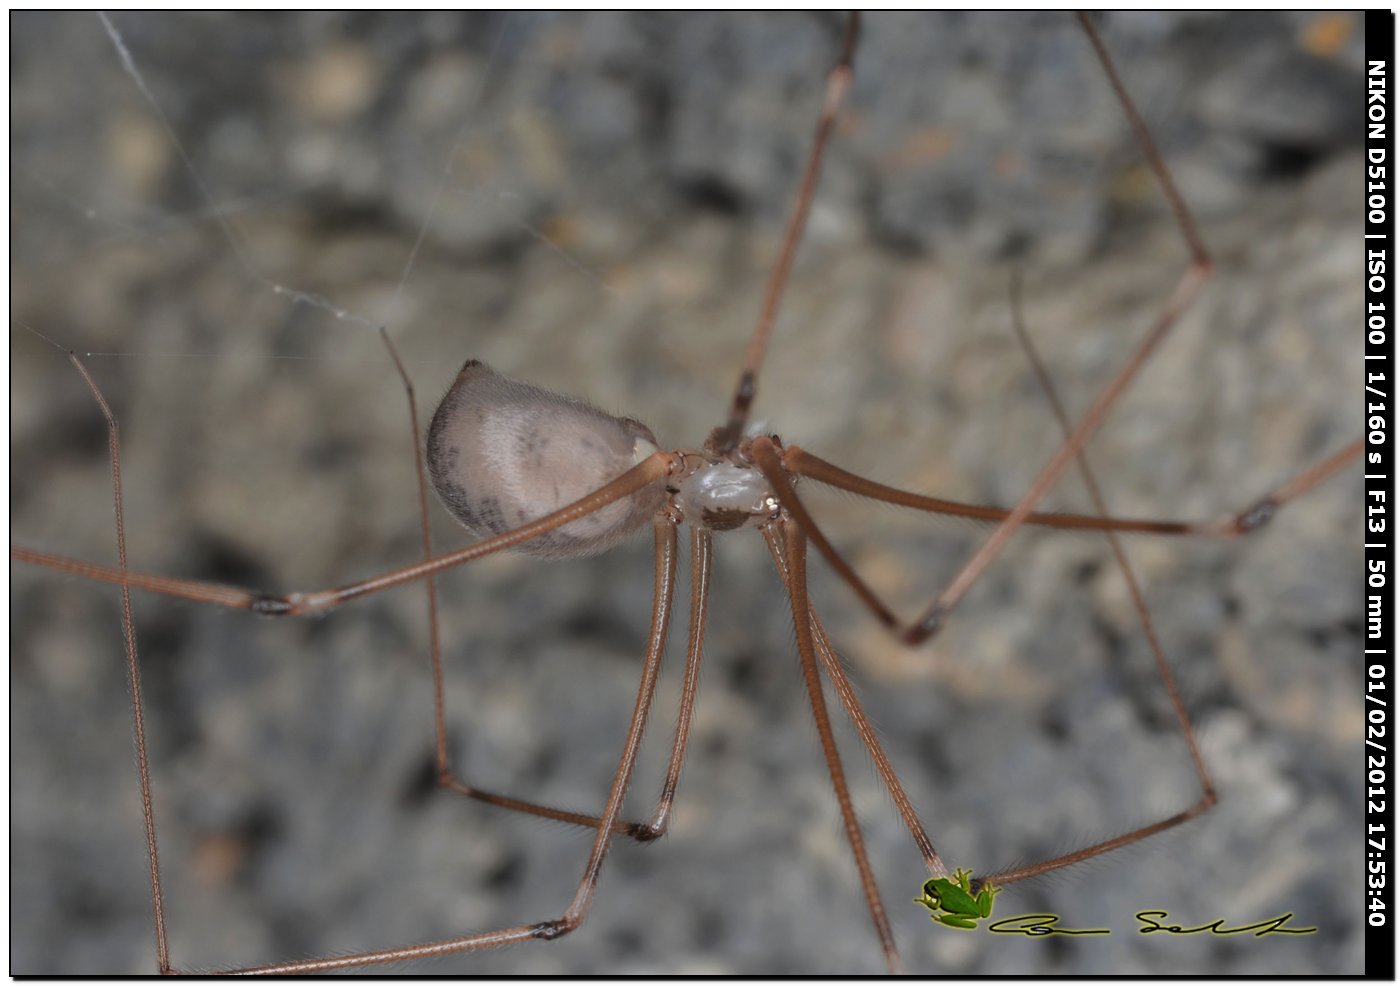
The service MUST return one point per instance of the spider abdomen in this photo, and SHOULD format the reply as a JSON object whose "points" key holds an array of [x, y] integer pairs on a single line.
{"points": [[502, 453]]}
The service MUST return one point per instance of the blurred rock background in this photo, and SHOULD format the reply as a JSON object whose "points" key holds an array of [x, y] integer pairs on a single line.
{"points": [[599, 200]]}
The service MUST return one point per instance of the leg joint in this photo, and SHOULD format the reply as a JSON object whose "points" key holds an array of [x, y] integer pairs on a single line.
{"points": [[550, 930]]}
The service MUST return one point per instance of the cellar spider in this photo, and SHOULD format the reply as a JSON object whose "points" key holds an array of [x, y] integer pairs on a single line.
{"points": [[290, 758]]}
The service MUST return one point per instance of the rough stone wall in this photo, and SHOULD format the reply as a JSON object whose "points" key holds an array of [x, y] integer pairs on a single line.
{"points": [[613, 197]]}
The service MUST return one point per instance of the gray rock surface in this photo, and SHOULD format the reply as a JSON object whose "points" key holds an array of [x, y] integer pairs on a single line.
{"points": [[600, 200]]}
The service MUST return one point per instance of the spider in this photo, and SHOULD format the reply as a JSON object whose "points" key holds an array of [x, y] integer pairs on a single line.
{"points": [[513, 684]]}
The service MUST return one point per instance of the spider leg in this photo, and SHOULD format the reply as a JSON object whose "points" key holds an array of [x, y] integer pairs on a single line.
{"points": [[864, 727], [649, 470], [1208, 797], [777, 466], [447, 777], [577, 910], [133, 673], [799, 462], [795, 549], [658, 822]]}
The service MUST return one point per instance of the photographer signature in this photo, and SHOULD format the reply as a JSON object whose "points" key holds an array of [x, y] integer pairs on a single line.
{"points": [[961, 902], [1150, 921]]}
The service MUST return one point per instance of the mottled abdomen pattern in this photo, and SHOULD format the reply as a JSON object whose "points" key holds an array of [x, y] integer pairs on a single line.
{"points": [[503, 453]]}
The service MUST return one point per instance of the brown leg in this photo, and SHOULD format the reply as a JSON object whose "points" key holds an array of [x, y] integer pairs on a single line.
{"points": [[726, 438], [832, 662], [312, 602], [649, 470], [446, 776], [778, 467], [655, 827], [795, 548], [1208, 797], [800, 462], [608, 824], [577, 910], [133, 675], [1188, 286], [700, 551]]}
